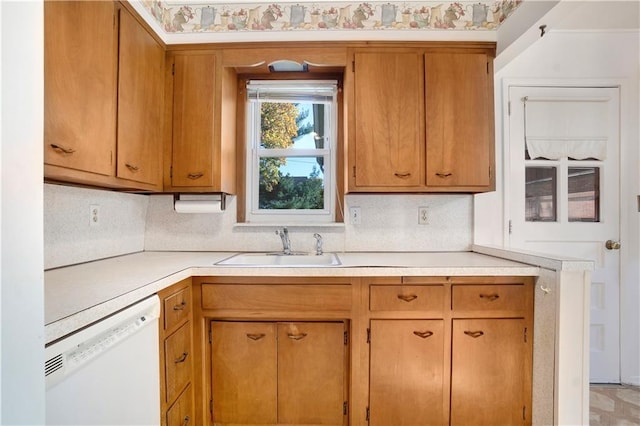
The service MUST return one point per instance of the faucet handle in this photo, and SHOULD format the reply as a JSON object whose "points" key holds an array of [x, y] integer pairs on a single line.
{"points": [[318, 238]]}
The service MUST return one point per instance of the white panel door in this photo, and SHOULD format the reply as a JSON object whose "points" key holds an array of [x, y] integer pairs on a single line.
{"points": [[562, 189]]}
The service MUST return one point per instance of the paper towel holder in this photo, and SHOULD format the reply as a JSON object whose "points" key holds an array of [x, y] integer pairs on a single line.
{"points": [[220, 197]]}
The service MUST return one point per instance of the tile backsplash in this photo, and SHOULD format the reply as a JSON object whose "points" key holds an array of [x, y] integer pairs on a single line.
{"points": [[69, 237], [129, 223]]}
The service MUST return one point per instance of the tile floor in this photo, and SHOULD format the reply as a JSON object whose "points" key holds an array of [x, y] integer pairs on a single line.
{"points": [[614, 405]]}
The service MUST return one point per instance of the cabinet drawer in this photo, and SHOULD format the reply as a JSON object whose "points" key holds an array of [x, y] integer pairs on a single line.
{"points": [[181, 412], [177, 359], [276, 297], [406, 298], [177, 307], [505, 297]]}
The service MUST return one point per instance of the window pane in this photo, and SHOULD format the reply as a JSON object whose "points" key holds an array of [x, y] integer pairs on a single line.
{"points": [[540, 194], [584, 194], [291, 183], [278, 124], [292, 125]]}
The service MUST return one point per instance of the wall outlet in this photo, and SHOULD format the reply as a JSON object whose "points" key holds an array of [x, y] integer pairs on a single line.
{"points": [[94, 215], [423, 216], [355, 215]]}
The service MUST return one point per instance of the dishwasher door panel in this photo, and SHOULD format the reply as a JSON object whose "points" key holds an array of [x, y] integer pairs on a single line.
{"points": [[119, 385]]}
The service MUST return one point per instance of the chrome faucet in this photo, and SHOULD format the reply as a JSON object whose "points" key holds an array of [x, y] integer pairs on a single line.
{"points": [[284, 236], [318, 238]]}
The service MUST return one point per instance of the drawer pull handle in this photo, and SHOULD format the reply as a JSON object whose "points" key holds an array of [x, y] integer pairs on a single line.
{"points": [[132, 167], [186, 421], [297, 336], [490, 297], [256, 336], [182, 358], [62, 149], [402, 175], [180, 307], [195, 175], [474, 334], [423, 334], [407, 297], [444, 175]]}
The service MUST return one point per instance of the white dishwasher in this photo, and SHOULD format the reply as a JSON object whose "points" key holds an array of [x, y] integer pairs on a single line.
{"points": [[107, 373]]}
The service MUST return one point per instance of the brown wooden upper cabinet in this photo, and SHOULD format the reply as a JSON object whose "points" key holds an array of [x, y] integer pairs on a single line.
{"points": [[422, 120], [459, 105], [103, 104], [201, 153], [388, 123], [140, 104]]}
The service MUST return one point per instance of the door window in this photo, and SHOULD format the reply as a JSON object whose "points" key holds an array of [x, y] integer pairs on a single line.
{"points": [[563, 157]]}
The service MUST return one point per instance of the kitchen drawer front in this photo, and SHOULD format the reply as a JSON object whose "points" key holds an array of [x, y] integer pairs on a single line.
{"points": [[503, 298], [276, 297], [177, 358], [177, 307], [181, 412], [406, 298]]}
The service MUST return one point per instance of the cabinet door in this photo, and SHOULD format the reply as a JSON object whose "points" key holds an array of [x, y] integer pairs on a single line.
{"points": [[389, 137], [80, 85], [488, 377], [194, 83], [311, 373], [178, 367], [406, 372], [459, 120], [181, 412], [244, 369], [140, 97]]}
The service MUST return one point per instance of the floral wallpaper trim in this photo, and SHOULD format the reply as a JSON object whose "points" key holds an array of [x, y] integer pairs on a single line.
{"points": [[460, 15]]}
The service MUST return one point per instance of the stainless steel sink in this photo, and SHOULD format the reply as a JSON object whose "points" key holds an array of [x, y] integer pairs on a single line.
{"points": [[277, 259]]}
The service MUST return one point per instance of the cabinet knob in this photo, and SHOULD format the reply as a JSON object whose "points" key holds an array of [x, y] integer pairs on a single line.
{"points": [[298, 336], [132, 167], [61, 149], [407, 297], [490, 297], [423, 334], [182, 358], [474, 334], [256, 336], [402, 175], [444, 175]]}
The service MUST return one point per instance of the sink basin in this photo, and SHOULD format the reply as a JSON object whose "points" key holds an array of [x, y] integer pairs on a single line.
{"points": [[299, 260]]}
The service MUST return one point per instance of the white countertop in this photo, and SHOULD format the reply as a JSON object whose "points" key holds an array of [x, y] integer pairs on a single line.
{"points": [[78, 295]]}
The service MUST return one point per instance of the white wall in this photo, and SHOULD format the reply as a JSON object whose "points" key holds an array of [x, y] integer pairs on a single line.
{"points": [[21, 249], [607, 57]]}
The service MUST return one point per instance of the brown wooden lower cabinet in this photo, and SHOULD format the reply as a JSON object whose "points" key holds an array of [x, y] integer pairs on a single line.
{"points": [[278, 372], [488, 372], [181, 412], [406, 379], [387, 351], [244, 367]]}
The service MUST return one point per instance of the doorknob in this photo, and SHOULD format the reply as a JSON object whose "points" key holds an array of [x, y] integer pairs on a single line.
{"points": [[612, 245]]}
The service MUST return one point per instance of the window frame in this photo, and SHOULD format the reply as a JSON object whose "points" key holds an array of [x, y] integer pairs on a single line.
{"points": [[249, 211]]}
